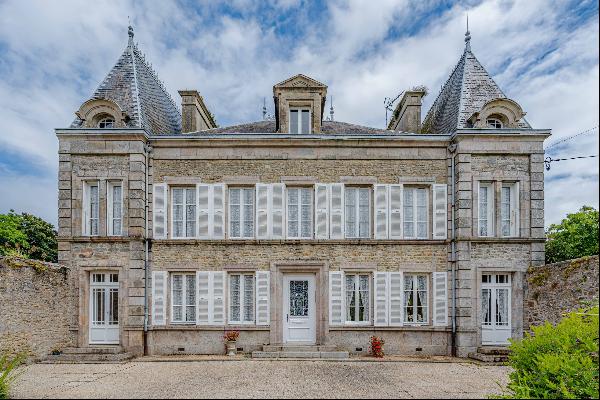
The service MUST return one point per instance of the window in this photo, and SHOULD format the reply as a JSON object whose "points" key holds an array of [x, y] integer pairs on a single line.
{"points": [[358, 212], [241, 213], [183, 298], [184, 212], [299, 213], [495, 299], [416, 295], [241, 298], [509, 209], [486, 209], [416, 206], [91, 211], [494, 123], [114, 208], [357, 298], [106, 123], [300, 120]]}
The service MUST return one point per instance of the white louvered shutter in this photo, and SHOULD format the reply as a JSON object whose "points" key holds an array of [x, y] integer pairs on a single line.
{"points": [[395, 212], [440, 299], [203, 282], [336, 298], [218, 211], [217, 294], [336, 211], [396, 311], [516, 212], [381, 298], [204, 192], [263, 315], [159, 211], [277, 210], [440, 211], [381, 211], [262, 211], [321, 211], [159, 304]]}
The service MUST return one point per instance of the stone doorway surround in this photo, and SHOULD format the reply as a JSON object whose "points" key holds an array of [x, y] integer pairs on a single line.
{"points": [[321, 271]]}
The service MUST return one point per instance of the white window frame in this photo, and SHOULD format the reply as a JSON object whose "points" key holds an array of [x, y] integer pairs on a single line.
{"points": [[415, 219], [106, 121], [299, 127], [242, 212], [299, 219], [513, 209], [414, 276], [356, 195], [494, 123], [86, 211], [489, 212], [356, 276], [185, 205], [242, 305], [183, 304], [110, 202]]}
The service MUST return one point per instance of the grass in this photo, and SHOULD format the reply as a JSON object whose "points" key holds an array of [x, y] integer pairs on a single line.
{"points": [[7, 373]]}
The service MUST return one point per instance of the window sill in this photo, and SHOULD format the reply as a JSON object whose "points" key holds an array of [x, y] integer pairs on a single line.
{"points": [[99, 239], [423, 328], [495, 239], [222, 328]]}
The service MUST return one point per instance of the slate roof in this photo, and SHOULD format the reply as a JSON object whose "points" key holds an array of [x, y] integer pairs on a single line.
{"points": [[466, 91], [135, 87], [327, 127]]}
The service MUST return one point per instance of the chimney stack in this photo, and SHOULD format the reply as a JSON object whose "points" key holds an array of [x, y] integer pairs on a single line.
{"points": [[407, 115], [194, 113]]}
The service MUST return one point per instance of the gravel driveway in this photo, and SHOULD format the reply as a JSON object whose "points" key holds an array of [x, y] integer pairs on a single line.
{"points": [[259, 379]]}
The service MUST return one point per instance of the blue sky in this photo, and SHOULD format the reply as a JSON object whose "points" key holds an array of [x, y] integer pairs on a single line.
{"points": [[53, 56]]}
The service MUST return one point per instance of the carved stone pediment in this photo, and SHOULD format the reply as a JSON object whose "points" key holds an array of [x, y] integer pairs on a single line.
{"points": [[300, 81]]}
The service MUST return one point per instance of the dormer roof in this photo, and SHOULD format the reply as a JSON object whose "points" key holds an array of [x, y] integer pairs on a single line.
{"points": [[300, 80]]}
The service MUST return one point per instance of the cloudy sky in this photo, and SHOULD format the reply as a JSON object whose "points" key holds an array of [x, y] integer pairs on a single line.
{"points": [[54, 54]]}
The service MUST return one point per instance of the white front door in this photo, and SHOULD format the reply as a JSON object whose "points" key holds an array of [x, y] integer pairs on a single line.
{"points": [[495, 309], [299, 309], [104, 308]]}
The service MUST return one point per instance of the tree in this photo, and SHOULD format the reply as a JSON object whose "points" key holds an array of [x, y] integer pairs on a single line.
{"points": [[26, 235], [576, 236]]}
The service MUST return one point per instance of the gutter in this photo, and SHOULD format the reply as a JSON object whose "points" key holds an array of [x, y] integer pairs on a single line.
{"points": [[147, 152], [452, 150]]}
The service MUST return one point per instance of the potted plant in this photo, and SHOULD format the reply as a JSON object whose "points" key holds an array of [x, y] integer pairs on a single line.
{"points": [[377, 346], [230, 338]]}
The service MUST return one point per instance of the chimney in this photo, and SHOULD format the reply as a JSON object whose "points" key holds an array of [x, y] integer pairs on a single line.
{"points": [[194, 114], [407, 115]]}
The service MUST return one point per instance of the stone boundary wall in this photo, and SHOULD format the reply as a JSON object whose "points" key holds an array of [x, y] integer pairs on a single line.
{"points": [[35, 307], [554, 289]]}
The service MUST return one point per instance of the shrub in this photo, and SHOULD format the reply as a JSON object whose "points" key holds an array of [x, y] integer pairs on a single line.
{"points": [[557, 361], [7, 373], [231, 336]]}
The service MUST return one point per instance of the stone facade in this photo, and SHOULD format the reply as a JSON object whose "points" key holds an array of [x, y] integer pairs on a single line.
{"points": [[555, 289], [36, 307]]}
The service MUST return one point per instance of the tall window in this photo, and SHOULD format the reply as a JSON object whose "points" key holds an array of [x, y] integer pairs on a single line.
{"points": [[358, 212], [299, 213], [183, 298], [114, 208], [357, 298], [184, 212], [241, 213], [300, 120], [486, 209], [106, 123], [509, 209], [416, 295], [91, 203], [241, 298], [416, 213]]}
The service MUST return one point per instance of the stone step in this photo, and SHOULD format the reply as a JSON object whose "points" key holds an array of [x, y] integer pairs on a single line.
{"points": [[298, 348], [87, 358], [93, 350], [489, 358], [312, 355], [494, 350]]}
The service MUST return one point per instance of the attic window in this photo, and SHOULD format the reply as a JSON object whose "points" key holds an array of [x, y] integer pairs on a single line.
{"points": [[300, 121], [106, 123], [494, 123]]}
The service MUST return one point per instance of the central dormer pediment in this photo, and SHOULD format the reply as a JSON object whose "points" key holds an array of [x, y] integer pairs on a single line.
{"points": [[299, 105]]}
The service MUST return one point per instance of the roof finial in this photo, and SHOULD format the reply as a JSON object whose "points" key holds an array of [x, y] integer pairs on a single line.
{"points": [[468, 37], [130, 31], [331, 108]]}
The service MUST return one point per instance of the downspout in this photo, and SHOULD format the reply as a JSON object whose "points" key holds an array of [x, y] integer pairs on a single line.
{"points": [[147, 151], [452, 150]]}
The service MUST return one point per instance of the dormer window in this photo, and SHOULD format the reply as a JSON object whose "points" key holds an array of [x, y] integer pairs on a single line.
{"points": [[106, 123], [494, 123], [300, 121]]}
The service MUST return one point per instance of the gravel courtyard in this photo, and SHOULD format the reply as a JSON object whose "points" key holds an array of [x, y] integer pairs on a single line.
{"points": [[260, 379]]}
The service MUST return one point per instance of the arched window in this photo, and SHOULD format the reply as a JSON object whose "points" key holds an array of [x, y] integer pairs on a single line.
{"points": [[106, 123], [494, 123]]}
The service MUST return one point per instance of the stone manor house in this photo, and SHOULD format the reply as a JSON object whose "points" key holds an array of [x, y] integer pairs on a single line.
{"points": [[299, 230]]}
